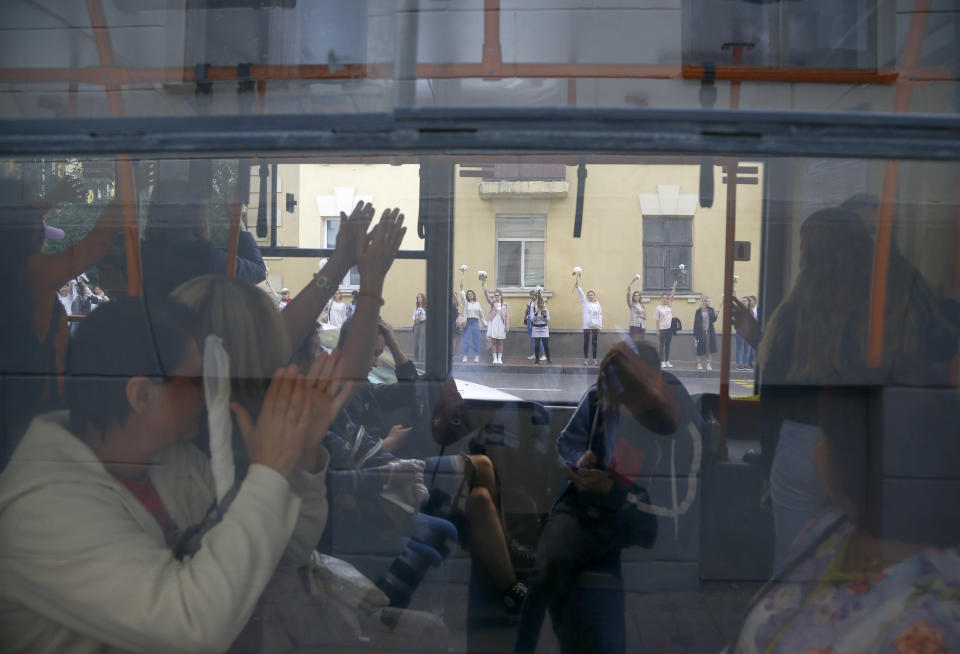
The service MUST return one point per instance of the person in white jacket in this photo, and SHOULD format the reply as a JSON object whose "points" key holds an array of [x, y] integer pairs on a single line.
{"points": [[96, 502], [592, 323]]}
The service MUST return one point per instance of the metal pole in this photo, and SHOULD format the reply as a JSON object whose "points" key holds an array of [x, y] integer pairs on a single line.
{"points": [[436, 207]]}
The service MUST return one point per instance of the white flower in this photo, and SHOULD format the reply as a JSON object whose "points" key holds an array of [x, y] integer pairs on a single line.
{"points": [[577, 270], [638, 277], [681, 266], [736, 278], [463, 268], [482, 275], [539, 289]]}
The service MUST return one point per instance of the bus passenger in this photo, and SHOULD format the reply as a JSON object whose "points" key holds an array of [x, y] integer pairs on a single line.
{"points": [[95, 499], [177, 247]]}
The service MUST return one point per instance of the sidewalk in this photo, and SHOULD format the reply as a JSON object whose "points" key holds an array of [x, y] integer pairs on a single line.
{"points": [[574, 366]]}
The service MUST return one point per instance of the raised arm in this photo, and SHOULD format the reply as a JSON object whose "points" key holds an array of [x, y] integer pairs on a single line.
{"points": [[673, 290], [301, 313], [58, 268], [629, 300], [487, 295], [375, 254], [583, 297]]}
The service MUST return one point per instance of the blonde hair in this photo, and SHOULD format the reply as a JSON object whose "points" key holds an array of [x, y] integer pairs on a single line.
{"points": [[251, 328]]}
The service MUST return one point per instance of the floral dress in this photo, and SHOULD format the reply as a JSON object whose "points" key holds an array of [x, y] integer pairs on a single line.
{"points": [[911, 607]]}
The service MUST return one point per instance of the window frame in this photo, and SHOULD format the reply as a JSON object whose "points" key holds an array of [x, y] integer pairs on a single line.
{"points": [[522, 241], [666, 218]]}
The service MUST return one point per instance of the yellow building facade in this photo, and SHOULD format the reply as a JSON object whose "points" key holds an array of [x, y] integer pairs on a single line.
{"points": [[497, 221]]}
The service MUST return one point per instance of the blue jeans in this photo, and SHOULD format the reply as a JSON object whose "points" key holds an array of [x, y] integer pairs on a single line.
{"points": [[533, 341], [743, 351], [471, 333], [794, 487]]}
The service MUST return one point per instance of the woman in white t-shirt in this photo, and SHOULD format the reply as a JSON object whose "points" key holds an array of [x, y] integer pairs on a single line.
{"points": [[664, 318], [336, 310], [592, 323], [473, 312], [420, 328]]}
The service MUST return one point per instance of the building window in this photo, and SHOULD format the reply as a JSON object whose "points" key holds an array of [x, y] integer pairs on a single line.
{"points": [[520, 251], [331, 229], [667, 253]]}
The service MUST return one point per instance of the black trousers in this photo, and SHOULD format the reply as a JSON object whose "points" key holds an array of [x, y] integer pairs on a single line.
{"points": [[590, 335], [543, 342], [567, 547], [665, 337]]}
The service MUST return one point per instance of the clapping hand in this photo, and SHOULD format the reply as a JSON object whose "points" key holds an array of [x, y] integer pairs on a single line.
{"points": [[277, 438]]}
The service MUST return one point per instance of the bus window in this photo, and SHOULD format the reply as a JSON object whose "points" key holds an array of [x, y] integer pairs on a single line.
{"points": [[479, 327]]}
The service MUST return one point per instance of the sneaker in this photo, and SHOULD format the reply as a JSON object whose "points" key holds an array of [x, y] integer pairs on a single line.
{"points": [[586, 362], [464, 360], [531, 357], [513, 598], [549, 362], [476, 359], [596, 363], [699, 366], [663, 364], [669, 365], [709, 367]]}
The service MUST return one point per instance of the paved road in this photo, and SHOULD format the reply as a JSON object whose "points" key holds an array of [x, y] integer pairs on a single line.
{"points": [[566, 383]]}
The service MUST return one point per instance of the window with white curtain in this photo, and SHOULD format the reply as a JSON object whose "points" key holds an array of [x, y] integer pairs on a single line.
{"points": [[520, 251]]}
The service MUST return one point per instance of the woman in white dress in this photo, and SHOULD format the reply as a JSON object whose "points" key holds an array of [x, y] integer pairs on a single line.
{"points": [[420, 328], [337, 310], [498, 323]]}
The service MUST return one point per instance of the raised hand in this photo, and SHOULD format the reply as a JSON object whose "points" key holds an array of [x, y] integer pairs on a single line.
{"points": [[353, 230], [277, 438], [747, 326], [375, 254]]}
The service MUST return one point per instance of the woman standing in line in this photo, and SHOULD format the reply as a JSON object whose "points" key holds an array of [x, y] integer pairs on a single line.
{"points": [[498, 323], [743, 348], [473, 312], [705, 333], [592, 323], [420, 328], [664, 326], [336, 310], [531, 306], [539, 319], [638, 313]]}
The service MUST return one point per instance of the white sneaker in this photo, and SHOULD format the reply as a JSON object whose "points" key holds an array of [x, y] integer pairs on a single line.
{"points": [[586, 362], [663, 364], [709, 367], [476, 358], [669, 365], [699, 366], [531, 357], [596, 363], [464, 359]]}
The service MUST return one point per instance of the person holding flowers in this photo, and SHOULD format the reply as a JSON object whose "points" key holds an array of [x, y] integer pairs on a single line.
{"points": [[638, 313], [473, 312], [539, 319], [498, 320], [592, 319]]}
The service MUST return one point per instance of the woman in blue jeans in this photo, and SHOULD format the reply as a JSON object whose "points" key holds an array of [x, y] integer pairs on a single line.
{"points": [[473, 312]]}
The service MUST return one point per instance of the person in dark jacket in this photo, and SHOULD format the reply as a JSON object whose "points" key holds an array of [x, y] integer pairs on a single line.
{"points": [[705, 333], [177, 247]]}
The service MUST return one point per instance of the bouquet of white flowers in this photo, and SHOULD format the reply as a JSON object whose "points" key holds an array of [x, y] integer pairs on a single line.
{"points": [[482, 276], [463, 268]]}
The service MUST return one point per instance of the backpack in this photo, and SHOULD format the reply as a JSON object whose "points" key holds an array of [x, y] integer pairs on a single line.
{"points": [[675, 326]]}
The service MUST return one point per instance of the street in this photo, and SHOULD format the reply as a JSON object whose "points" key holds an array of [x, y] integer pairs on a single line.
{"points": [[565, 383]]}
